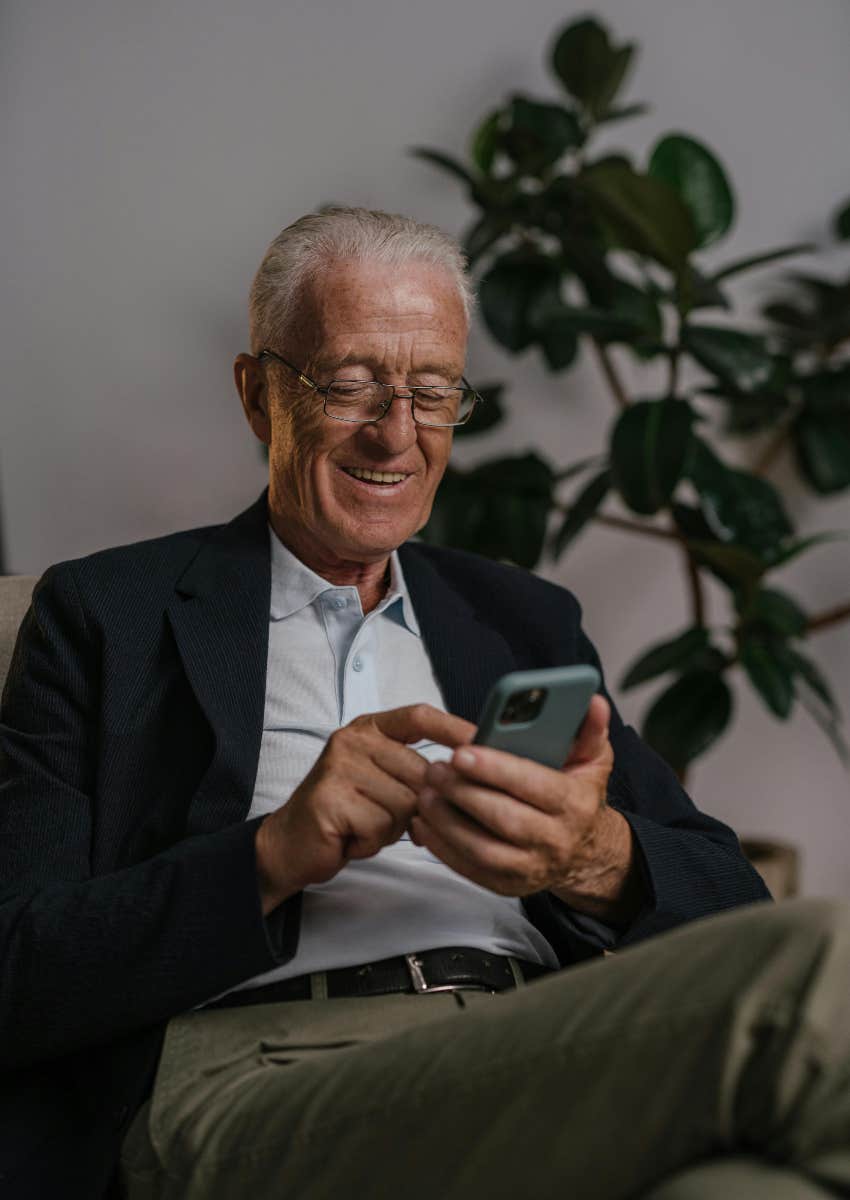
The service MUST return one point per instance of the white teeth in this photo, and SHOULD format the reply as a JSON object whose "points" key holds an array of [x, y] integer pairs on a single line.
{"points": [[376, 476]]}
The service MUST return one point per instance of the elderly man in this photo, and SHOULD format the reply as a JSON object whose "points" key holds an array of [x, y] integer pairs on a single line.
{"points": [[273, 927]]}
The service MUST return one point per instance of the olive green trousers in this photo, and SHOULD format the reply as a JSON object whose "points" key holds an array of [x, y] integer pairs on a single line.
{"points": [[713, 1061]]}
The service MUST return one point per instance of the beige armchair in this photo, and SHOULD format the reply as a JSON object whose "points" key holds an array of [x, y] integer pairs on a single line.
{"points": [[15, 595]]}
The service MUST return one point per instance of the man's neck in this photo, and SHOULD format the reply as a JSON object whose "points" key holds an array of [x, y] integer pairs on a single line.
{"points": [[371, 579]]}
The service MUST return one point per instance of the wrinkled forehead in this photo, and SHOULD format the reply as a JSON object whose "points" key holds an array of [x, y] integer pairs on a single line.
{"points": [[364, 308]]}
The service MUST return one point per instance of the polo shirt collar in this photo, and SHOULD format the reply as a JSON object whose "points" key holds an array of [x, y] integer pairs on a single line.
{"points": [[295, 586]]}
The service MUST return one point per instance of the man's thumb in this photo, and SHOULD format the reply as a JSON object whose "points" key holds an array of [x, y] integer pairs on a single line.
{"points": [[592, 737]]}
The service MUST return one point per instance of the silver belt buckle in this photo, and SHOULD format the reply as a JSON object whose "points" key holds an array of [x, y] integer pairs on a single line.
{"points": [[420, 983]]}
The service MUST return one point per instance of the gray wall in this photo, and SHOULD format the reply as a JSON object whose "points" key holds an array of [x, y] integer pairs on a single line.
{"points": [[152, 150]]}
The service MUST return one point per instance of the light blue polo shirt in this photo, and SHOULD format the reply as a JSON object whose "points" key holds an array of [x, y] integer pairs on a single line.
{"points": [[328, 664]]}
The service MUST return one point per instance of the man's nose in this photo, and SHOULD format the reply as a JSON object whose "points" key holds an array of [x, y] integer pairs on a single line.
{"points": [[396, 430]]}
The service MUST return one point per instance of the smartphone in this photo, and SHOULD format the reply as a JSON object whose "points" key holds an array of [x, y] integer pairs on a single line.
{"points": [[537, 714]]}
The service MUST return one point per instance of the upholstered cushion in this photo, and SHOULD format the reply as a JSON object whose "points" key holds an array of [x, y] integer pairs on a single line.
{"points": [[15, 593]]}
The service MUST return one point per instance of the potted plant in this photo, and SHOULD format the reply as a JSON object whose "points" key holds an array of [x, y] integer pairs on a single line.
{"points": [[573, 248]]}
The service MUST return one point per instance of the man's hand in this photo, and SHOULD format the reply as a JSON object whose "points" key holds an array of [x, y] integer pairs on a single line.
{"points": [[359, 797], [516, 827]]}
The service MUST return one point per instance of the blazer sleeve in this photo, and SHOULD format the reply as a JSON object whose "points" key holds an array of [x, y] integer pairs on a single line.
{"points": [[691, 864], [89, 957]]}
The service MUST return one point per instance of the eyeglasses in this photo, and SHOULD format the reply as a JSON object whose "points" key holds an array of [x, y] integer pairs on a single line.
{"points": [[361, 401]]}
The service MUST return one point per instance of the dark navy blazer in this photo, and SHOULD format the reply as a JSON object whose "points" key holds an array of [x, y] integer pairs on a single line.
{"points": [[129, 739]]}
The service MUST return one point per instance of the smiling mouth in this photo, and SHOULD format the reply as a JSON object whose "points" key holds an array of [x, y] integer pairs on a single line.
{"points": [[382, 478]]}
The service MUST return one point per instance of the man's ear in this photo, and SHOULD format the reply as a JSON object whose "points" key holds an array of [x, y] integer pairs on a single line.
{"points": [[250, 380]]}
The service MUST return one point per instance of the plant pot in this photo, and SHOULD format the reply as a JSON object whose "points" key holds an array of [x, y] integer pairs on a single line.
{"points": [[778, 863]]}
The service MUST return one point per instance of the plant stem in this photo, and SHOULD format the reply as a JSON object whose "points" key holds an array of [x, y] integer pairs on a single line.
{"points": [[674, 372], [832, 616], [610, 373], [668, 535], [771, 451], [695, 584]]}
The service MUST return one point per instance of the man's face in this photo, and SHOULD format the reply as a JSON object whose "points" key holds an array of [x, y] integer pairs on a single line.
{"points": [[404, 326]]}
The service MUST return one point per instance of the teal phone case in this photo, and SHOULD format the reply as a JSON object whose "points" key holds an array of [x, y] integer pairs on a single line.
{"points": [[546, 738]]}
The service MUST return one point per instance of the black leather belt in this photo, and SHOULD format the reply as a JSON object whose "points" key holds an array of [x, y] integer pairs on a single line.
{"points": [[448, 969]]}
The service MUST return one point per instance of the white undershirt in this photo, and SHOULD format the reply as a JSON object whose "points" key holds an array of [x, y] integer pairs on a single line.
{"points": [[328, 664]]}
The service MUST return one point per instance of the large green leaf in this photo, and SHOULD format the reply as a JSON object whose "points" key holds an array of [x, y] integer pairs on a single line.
{"points": [[536, 135], [581, 511], [814, 693], [760, 260], [691, 523], [739, 569], [483, 234], [499, 509], [822, 451], [740, 359], [559, 326], [624, 113], [735, 566], [698, 177], [818, 319], [751, 411], [608, 325], [827, 722], [640, 213], [688, 717], [800, 545], [776, 612], [694, 290], [558, 340], [509, 292], [485, 141], [649, 450], [739, 507], [821, 432], [819, 288], [641, 309], [446, 162], [590, 68], [796, 321], [584, 254], [811, 675], [675, 654], [747, 414], [635, 314], [769, 674]]}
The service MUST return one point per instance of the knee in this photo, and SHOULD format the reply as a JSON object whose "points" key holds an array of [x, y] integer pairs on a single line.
{"points": [[823, 921], [802, 941]]}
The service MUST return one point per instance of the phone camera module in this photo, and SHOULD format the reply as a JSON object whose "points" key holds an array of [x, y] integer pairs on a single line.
{"points": [[523, 707]]}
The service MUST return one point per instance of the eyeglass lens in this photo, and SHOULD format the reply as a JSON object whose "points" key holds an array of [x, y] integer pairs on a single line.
{"points": [[361, 401]]}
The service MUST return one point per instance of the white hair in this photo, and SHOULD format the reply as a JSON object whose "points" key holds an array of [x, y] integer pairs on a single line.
{"points": [[304, 248]]}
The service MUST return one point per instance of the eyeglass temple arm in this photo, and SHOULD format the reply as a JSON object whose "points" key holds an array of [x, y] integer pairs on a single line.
{"points": [[303, 378]]}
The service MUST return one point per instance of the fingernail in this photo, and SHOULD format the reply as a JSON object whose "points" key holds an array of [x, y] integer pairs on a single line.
{"points": [[427, 795], [464, 758]]}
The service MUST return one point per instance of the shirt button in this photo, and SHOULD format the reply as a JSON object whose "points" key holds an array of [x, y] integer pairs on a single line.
{"points": [[339, 602], [358, 663]]}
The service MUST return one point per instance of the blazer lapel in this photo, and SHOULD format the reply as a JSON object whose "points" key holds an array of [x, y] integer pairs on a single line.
{"points": [[219, 615], [220, 618], [467, 655]]}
